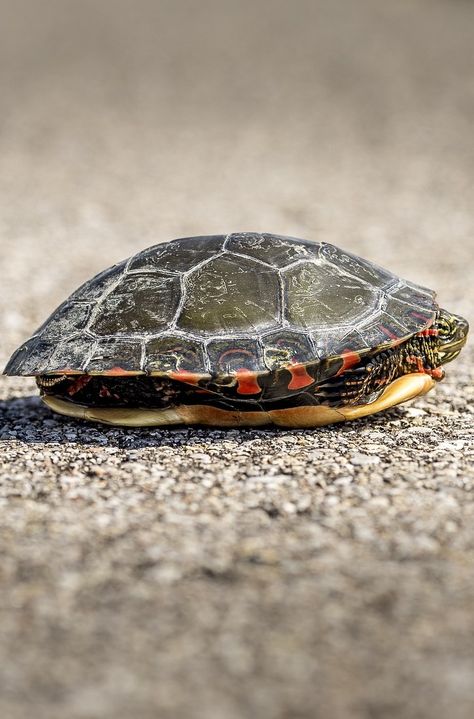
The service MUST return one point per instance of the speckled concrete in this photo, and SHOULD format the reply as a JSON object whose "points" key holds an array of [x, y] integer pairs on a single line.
{"points": [[233, 574]]}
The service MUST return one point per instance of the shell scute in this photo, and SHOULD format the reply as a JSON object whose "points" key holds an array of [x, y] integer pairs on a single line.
{"points": [[338, 340], [368, 272], [68, 319], [138, 304], [228, 356], [275, 250], [414, 295], [72, 353], [113, 353], [319, 295], [399, 315], [173, 353], [31, 358], [99, 285], [283, 347], [230, 294], [177, 256]]}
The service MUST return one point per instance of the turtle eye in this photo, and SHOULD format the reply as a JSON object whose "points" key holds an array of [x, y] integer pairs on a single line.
{"points": [[446, 328]]}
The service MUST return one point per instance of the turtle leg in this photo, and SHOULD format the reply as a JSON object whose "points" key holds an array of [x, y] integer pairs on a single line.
{"points": [[356, 385]]}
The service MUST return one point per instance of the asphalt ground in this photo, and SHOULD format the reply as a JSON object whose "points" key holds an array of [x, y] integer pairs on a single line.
{"points": [[243, 573]]}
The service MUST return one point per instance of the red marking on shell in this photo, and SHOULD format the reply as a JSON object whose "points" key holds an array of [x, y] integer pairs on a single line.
{"points": [[349, 359], [299, 377], [183, 375], [437, 373], [388, 332], [419, 316], [238, 351], [79, 383], [247, 382]]}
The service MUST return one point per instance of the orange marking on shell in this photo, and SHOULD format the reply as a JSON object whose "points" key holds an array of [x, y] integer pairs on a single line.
{"points": [[183, 375], [247, 382], [437, 373], [349, 359], [299, 377], [118, 372]]}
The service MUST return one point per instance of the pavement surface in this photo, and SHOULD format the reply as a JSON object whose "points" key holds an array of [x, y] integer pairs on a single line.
{"points": [[235, 574]]}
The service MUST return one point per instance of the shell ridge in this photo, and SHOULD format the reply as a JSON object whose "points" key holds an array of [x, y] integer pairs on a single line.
{"points": [[226, 240], [282, 299], [300, 261], [249, 257], [182, 300], [90, 354]]}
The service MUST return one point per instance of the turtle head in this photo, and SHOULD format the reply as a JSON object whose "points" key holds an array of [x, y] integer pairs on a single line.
{"points": [[452, 335]]}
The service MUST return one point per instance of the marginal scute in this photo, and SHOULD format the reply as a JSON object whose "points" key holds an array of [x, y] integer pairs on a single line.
{"points": [[405, 316], [415, 296], [72, 353], [400, 390], [112, 354], [227, 357], [173, 353], [230, 295], [338, 340], [138, 304], [282, 347], [31, 358]]}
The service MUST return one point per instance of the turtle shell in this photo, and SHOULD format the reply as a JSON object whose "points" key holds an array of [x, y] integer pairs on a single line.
{"points": [[220, 305]]}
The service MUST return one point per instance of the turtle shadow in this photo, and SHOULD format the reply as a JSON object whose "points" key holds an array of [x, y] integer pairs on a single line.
{"points": [[27, 420]]}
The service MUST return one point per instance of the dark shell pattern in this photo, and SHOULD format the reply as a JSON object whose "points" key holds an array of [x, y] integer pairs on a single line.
{"points": [[222, 304]]}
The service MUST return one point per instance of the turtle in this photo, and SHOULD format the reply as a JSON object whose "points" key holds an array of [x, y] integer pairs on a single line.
{"points": [[243, 329]]}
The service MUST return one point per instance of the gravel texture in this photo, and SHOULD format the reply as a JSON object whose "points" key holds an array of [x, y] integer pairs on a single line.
{"points": [[210, 574]]}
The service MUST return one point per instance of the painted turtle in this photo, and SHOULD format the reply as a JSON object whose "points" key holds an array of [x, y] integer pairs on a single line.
{"points": [[240, 329]]}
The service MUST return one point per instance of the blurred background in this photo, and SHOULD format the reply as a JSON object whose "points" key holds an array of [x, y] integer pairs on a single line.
{"points": [[124, 123]]}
